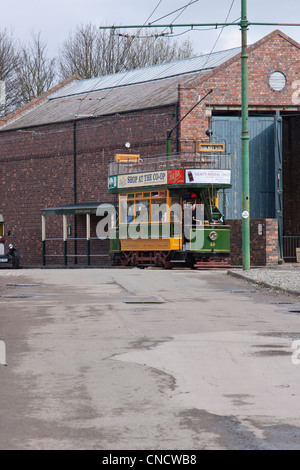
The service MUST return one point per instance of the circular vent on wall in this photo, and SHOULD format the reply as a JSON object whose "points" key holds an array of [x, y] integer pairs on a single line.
{"points": [[277, 81]]}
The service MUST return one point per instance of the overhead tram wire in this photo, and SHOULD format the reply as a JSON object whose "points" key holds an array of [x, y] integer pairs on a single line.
{"points": [[136, 36], [222, 28], [216, 42], [102, 78], [175, 11], [182, 10]]}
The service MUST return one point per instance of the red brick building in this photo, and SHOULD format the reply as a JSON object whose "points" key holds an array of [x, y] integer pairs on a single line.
{"points": [[55, 151]]}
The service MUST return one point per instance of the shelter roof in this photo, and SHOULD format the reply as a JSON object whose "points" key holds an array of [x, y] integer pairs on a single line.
{"points": [[82, 208]]}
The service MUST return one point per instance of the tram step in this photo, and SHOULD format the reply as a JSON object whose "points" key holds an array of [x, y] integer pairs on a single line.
{"points": [[180, 257]]}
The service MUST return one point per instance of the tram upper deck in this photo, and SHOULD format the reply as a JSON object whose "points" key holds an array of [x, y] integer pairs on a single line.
{"points": [[192, 169]]}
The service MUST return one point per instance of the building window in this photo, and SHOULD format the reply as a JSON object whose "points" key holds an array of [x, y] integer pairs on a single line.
{"points": [[277, 81]]}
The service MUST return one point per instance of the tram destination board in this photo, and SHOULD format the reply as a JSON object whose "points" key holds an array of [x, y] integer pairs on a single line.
{"points": [[143, 179], [211, 147]]}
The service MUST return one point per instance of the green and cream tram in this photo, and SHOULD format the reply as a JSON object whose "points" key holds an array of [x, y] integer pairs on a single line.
{"points": [[168, 209]]}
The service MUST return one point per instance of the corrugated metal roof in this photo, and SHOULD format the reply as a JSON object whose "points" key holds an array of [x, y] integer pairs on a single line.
{"points": [[147, 74], [103, 102], [127, 91]]}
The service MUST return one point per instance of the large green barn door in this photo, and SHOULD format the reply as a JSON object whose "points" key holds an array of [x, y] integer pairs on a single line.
{"points": [[262, 164], [266, 193], [278, 183]]}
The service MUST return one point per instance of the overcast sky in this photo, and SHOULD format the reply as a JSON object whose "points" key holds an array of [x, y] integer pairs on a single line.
{"points": [[55, 19]]}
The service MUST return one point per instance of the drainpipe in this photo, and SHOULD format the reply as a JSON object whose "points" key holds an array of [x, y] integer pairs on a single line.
{"points": [[75, 187]]}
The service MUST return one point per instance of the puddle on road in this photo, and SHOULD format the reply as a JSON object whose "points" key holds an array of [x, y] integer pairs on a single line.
{"points": [[13, 284], [281, 303], [138, 302], [27, 296], [285, 334], [272, 352], [243, 291]]}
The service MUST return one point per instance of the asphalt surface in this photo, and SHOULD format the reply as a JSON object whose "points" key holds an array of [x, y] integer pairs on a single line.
{"points": [[147, 359]]}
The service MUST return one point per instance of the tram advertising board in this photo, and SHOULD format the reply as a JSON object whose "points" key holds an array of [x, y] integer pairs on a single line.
{"points": [[206, 176], [176, 176], [112, 182], [170, 177]]}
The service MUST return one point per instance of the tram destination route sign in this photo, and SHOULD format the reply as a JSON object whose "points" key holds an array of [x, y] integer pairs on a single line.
{"points": [[211, 147]]}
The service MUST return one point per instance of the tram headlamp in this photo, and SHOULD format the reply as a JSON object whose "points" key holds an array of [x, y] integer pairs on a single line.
{"points": [[213, 236]]}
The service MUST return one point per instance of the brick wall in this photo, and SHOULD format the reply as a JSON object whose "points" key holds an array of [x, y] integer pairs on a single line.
{"points": [[263, 242], [37, 171], [291, 175]]}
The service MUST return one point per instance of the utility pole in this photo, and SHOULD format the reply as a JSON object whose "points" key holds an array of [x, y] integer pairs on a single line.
{"points": [[245, 142], [244, 25]]}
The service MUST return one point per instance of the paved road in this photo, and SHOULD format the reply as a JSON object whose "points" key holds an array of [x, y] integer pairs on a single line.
{"points": [[118, 359]]}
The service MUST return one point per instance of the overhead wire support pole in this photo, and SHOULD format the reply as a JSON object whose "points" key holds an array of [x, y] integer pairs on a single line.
{"points": [[245, 142]]}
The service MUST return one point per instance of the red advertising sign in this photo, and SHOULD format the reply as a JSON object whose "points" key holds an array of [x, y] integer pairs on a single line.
{"points": [[175, 176]]}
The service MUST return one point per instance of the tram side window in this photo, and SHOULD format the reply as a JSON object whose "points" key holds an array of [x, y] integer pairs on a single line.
{"points": [[142, 210], [176, 217], [126, 211], [1, 230], [159, 210], [176, 213], [130, 211]]}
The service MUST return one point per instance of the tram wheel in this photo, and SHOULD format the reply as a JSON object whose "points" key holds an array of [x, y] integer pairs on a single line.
{"points": [[167, 265], [158, 261]]}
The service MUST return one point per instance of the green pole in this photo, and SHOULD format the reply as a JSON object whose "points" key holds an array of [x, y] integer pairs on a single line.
{"points": [[65, 253], [168, 148], [168, 144], [44, 252], [89, 252], [245, 142]]}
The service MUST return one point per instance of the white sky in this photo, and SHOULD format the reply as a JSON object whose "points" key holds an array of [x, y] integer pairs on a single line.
{"points": [[55, 19]]}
